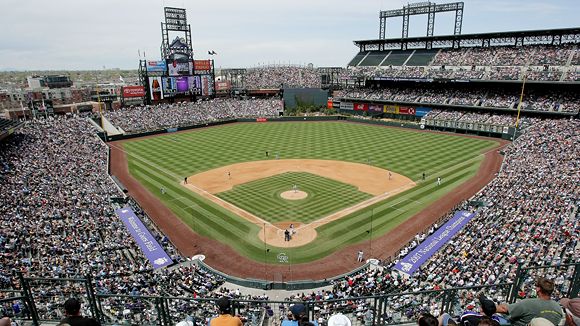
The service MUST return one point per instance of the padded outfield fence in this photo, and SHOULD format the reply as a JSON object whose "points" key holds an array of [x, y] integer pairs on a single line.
{"points": [[41, 299]]}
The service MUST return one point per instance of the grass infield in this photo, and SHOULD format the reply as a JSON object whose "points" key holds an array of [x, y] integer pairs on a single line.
{"points": [[325, 196], [164, 161]]}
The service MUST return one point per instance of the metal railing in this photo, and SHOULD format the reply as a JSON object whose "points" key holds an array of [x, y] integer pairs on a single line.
{"points": [[39, 300]]}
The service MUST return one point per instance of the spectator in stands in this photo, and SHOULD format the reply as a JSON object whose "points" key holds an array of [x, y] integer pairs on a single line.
{"points": [[426, 319], [299, 316], [225, 318], [571, 310], [522, 312], [72, 309]]}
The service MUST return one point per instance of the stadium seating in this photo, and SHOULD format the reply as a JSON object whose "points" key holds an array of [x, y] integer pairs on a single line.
{"points": [[537, 62], [162, 116], [483, 97], [59, 222]]}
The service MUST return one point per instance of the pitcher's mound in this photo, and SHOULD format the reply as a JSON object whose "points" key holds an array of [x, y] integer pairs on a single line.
{"points": [[294, 195]]}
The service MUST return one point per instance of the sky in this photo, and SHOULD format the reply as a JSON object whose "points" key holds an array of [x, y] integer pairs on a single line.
{"points": [[88, 35]]}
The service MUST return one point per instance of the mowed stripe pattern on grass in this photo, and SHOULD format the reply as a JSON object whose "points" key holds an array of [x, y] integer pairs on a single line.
{"points": [[164, 161], [262, 197]]}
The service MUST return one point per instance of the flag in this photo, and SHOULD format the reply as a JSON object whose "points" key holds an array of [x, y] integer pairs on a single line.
{"points": [[121, 79]]}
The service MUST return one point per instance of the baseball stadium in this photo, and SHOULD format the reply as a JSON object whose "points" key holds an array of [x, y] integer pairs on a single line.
{"points": [[432, 180]]}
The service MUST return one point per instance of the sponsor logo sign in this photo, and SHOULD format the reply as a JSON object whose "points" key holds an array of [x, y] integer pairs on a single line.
{"points": [[410, 263], [133, 91], [146, 242], [156, 66]]}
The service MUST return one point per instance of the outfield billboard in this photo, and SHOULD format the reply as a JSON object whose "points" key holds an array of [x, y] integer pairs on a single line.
{"points": [[403, 110], [133, 91], [346, 105], [222, 86], [392, 109], [375, 108], [361, 107], [422, 111]]}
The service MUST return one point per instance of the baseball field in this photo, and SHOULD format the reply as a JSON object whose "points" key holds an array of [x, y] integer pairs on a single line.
{"points": [[337, 183]]}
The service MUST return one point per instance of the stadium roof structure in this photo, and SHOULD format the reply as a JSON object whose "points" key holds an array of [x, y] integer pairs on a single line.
{"points": [[515, 38]]}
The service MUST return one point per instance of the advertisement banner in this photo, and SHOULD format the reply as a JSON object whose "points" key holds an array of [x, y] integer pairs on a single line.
{"points": [[346, 105], [392, 109], [179, 68], [223, 86], [261, 120], [375, 108], [206, 86], [329, 104], [133, 91], [202, 66], [169, 87], [422, 111], [155, 88], [361, 107], [156, 66], [144, 239], [406, 110], [410, 263]]}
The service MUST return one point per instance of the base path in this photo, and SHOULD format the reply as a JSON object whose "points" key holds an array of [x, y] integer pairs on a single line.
{"points": [[366, 178], [225, 259]]}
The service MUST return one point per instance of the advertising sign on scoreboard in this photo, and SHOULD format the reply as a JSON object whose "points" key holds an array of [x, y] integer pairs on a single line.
{"points": [[155, 88], [156, 66], [133, 91], [206, 85], [361, 107], [202, 66], [169, 86]]}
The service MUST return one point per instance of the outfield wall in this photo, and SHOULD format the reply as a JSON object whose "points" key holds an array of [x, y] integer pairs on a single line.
{"points": [[400, 124]]}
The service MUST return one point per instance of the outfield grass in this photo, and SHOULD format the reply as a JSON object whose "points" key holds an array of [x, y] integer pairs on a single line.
{"points": [[163, 162], [325, 196]]}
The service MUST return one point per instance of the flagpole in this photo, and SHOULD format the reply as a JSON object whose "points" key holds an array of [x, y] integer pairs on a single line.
{"points": [[520, 103], [519, 107], [22, 108]]}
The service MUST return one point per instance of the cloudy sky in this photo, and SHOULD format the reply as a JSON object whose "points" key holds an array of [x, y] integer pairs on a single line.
{"points": [[80, 34]]}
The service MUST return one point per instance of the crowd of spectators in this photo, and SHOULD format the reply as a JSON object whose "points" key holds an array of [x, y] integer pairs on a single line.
{"points": [[490, 98], [57, 221], [162, 116], [527, 218], [542, 62], [480, 117], [533, 55], [282, 77]]}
